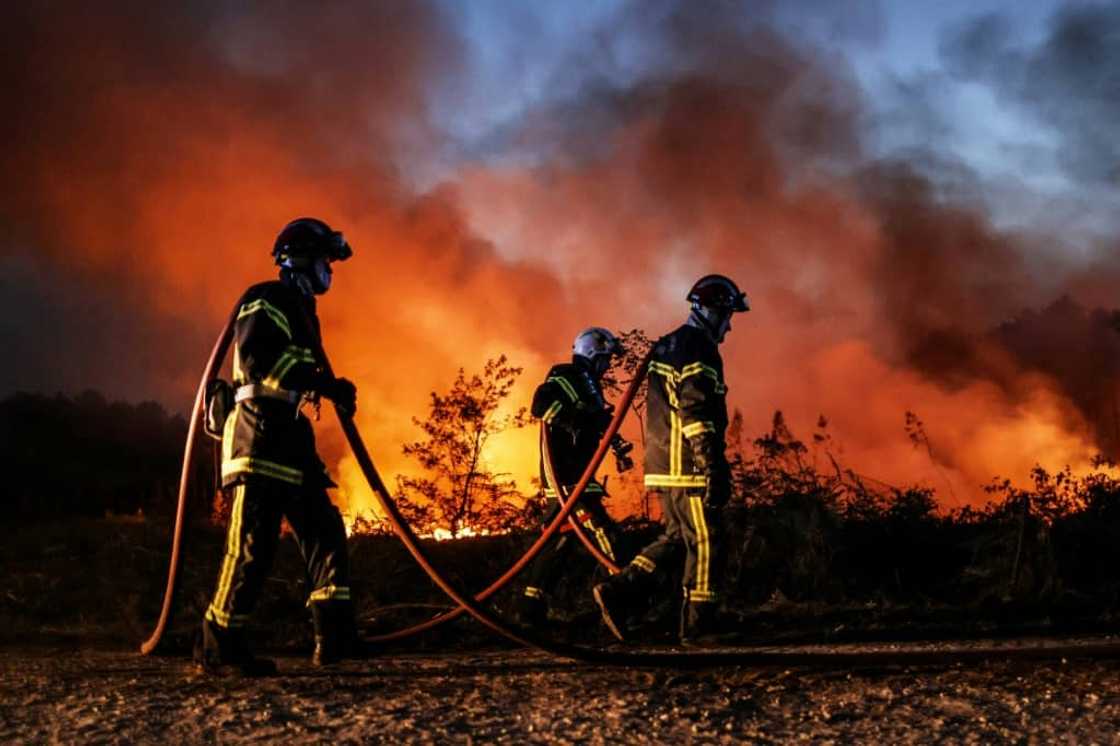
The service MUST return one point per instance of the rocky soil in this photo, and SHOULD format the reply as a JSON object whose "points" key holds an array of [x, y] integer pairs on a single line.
{"points": [[80, 695]]}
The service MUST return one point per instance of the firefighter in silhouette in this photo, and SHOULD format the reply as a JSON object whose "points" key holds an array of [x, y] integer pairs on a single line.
{"points": [[269, 461], [685, 464], [574, 414]]}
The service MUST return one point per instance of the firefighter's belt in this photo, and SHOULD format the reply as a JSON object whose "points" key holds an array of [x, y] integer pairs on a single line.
{"points": [[259, 391]]}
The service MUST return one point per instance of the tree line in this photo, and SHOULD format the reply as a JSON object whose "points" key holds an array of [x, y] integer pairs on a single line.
{"points": [[88, 456]]}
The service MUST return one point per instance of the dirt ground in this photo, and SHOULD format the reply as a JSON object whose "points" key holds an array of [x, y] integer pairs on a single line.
{"points": [[511, 696]]}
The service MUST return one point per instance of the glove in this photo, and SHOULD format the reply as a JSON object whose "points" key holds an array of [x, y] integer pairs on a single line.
{"points": [[621, 449], [718, 491], [343, 393]]}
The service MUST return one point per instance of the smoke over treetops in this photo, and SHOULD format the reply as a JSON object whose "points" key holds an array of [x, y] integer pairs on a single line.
{"points": [[159, 151]]}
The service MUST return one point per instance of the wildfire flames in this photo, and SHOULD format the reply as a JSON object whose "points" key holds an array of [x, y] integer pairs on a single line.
{"points": [[153, 191]]}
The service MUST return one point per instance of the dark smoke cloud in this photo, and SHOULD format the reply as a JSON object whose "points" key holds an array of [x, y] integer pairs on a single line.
{"points": [[161, 149], [1069, 82], [132, 120], [62, 333], [744, 151]]}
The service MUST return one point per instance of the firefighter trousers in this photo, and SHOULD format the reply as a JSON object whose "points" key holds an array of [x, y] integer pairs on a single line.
{"points": [[550, 564], [691, 529], [254, 529]]}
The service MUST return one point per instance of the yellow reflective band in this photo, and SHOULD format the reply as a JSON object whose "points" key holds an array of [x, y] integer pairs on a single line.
{"points": [[552, 486], [270, 310], [550, 477], [222, 619], [329, 593], [592, 488], [664, 369], [228, 432], [532, 592], [701, 585], [644, 563], [675, 480], [700, 597], [676, 442], [291, 356], [549, 415], [694, 369], [601, 538], [696, 428], [564, 384], [249, 465], [232, 556]]}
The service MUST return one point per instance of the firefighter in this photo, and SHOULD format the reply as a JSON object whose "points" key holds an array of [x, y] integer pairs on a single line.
{"points": [[269, 461], [571, 406], [685, 464]]}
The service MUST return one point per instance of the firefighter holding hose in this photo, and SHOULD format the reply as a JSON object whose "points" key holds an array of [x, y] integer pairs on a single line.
{"points": [[685, 464], [574, 415], [269, 460]]}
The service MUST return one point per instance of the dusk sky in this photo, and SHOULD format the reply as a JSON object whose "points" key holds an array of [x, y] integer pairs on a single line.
{"points": [[522, 56], [922, 200]]}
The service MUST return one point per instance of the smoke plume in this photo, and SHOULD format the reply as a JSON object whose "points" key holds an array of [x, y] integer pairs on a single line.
{"points": [[159, 151]]}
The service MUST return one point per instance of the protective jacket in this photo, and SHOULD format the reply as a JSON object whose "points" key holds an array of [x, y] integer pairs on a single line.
{"points": [[571, 403], [686, 412], [266, 436]]}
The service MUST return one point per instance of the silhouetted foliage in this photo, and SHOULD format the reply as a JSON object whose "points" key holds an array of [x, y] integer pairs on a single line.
{"points": [[89, 456], [803, 527], [460, 490], [635, 346], [625, 367]]}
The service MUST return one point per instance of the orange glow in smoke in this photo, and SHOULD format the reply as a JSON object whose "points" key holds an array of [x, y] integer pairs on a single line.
{"points": [[180, 218]]}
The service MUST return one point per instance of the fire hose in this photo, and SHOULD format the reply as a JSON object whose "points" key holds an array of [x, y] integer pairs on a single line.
{"points": [[565, 513], [470, 606], [690, 659], [217, 355], [554, 483]]}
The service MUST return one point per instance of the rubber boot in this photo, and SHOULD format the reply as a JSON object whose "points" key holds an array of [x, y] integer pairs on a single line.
{"points": [[336, 634], [700, 624], [225, 652], [611, 598], [326, 636], [532, 612]]}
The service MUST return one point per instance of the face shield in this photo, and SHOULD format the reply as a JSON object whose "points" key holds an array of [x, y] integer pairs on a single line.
{"points": [[717, 321], [321, 275], [601, 363], [312, 275]]}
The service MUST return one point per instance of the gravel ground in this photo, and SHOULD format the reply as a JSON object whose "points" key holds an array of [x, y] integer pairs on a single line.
{"points": [[510, 696]]}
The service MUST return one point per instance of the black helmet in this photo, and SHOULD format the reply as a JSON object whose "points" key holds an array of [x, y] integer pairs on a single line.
{"points": [[310, 238], [718, 292]]}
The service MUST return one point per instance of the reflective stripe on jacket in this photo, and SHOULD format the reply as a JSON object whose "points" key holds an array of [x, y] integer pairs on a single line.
{"points": [[276, 331], [571, 403], [686, 411]]}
